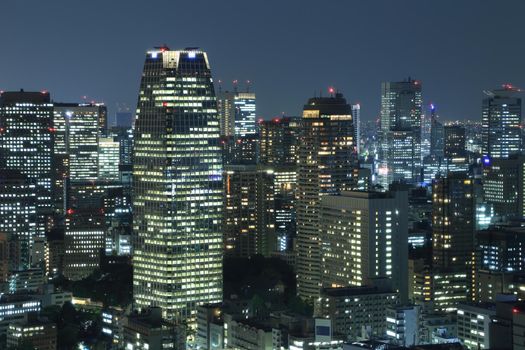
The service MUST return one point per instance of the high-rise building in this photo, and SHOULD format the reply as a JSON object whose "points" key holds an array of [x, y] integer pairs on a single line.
{"points": [[501, 122], [108, 159], [327, 163], [400, 131], [78, 128], [501, 249], [83, 242], [278, 145], [18, 215], [237, 113], [436, 134], [455, 141], [356, 114], [177, 185], [27, 142], [249, 211], [364, 236], [453, 216], [453, 228], [503, 183], [278, 141]]}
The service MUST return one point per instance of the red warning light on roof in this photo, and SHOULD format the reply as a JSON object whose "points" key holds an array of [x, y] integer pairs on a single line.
{"points": [[70, 212], [331, 90], [515, 310]]}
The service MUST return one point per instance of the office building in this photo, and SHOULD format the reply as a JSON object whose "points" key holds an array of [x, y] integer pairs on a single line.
{"points": [[400, 132], [363, 236], [40, 334], [78, 128], [239, 150], [356, 114], [437, 134], [249, 211], [26, 145], [473, 325], [501, 248], [83, 242], [501, 122], [28, 280], [503, 184], [237, 113], [108, 159], [14, 308], [453, 227], [148, 330], [357, 313], [18, 216], [326, 166], [403, 325], [278, 141], [210, 327], [453, 216], [177, 185], [455, 141]]}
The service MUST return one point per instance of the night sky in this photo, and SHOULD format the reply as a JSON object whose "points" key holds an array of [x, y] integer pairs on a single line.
{"points": [[289, 49]]}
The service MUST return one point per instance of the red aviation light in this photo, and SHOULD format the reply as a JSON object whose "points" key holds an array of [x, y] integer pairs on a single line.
{"points": [[70, 212]]}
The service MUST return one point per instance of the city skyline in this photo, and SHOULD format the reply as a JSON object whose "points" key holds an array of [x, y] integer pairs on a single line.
{"points": [[346, 49]]}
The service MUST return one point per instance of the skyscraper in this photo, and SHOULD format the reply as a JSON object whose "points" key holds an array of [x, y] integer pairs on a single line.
{"points": [[278, 141], [436, 134], [78, 128], [26, 144], [400, 131], [237, 113], [453, 227], [356, 114], [501, 122], [177, 185], [108, 159], [249, 214], [327, 164]]}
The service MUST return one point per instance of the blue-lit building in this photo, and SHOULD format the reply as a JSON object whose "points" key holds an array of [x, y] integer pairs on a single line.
{"points": [[237, 113]]}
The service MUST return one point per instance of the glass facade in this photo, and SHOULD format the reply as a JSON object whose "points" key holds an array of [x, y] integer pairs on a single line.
{"points": [[177, 186]]}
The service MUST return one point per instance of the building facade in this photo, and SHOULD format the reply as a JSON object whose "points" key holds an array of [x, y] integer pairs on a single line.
{"points": [[177, 185]]}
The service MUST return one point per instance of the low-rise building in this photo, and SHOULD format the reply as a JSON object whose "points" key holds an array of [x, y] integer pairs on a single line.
{"points": [[402, 325], [41, 334], [473, 324], [357, 312], [149, 331]]}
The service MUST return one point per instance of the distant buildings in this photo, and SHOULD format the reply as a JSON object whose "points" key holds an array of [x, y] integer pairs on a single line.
{"points": [[236, 113], [501, 121], [400, 132]]}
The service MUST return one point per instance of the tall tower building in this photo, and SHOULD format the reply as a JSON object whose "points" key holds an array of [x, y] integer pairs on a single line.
{"points": [[26, 144], [436, 134], [400, 131], [356, 114], [501, 121], [177, 185], [453, 228], [278, 151], [249, 214], [363, 236], [326, 165]]}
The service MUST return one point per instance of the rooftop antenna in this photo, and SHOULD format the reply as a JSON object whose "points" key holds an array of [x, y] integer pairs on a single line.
{"points": [[248, 85], [235, 82], [220, 85]]}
